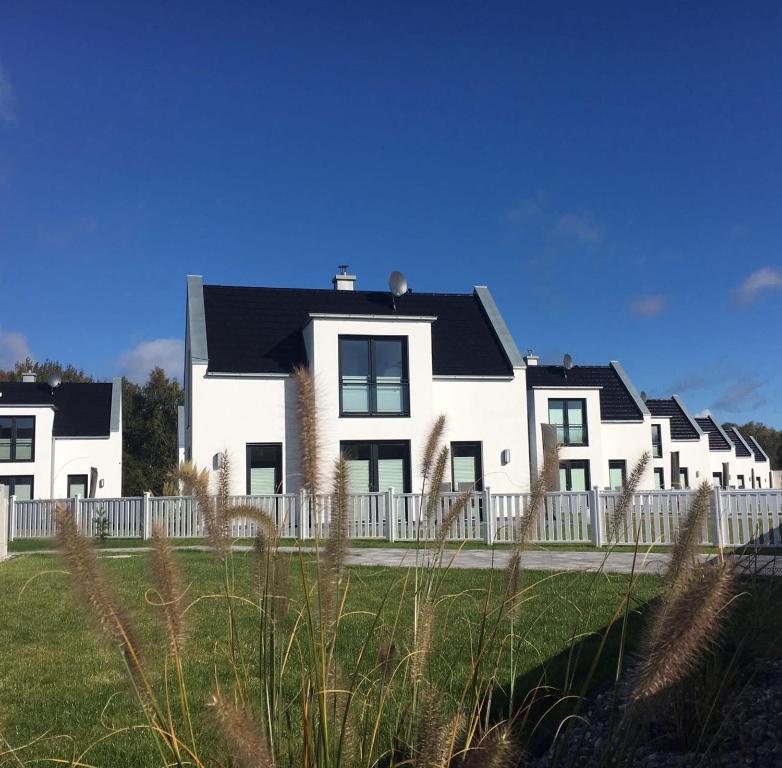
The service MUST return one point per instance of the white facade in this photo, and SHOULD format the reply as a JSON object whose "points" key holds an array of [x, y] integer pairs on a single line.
{"points": [[227, 411], [60, 461]]}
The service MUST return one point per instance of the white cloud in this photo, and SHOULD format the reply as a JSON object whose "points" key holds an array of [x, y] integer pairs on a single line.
{"points": [[137, 362], [766, 279], [13, 348], [7, 99], [648, 306], [703, 414], [581, 226], [741, 396]]}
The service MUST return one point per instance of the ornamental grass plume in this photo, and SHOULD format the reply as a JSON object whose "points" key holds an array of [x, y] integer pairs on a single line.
{"points": [[422, 643], [436, 735], [244, 738], [335, 550], [497, 749], [629, 488], [169, 589], [432, 442], [306, 412], [685, 548], [438, 475], [195, 482]]}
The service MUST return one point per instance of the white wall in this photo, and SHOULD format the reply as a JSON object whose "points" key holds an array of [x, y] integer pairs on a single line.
{"points": [[41, 467], [76, 455]]}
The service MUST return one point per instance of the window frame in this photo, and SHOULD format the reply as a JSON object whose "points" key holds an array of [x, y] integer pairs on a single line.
{"points": [[686, 484], [279, 482], [657, 430], [661, 472], [741, 479], [478, 444], [373, 461], [86, 485], [13, 480], [372, 411], [566, 424], [567, 465], [614, 464], [13, 459]]}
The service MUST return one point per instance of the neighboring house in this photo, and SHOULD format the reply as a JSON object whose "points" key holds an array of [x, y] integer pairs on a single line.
{"points": [[598, 418], [383, 371], [722, 454], [57, 442], [763, 472], [680, 448], [742, 469]]}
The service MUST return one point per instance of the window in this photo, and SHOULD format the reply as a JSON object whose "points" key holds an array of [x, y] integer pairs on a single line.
{"points": [[617, 474], [659, 478], [373, 376], [17, 438], [684, 477], [569, 417], [77, 485], [657, 441], [573, 475], [717, 478], [466, 466], [740, 483], [377, 466], [264, 468], [21, 487]]}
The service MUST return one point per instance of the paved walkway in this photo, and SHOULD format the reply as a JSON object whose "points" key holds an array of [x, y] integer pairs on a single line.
{"points": [[611, 562]]}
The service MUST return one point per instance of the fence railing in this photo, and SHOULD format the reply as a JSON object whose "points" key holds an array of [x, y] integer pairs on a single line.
{"points": [[736, 517]]}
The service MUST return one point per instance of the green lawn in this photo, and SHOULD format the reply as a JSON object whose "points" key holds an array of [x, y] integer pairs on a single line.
{"points": [[61, 681]]}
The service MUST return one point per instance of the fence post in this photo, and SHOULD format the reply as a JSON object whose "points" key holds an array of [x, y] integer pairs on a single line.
{"points": [[5, 517], [11, 517], [717, 528], [391, 515], [304, 517], [596, 519], [488, 518], [146, 512]]}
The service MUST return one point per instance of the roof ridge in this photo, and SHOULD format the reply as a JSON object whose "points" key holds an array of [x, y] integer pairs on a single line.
{"points": [[327, 290]]}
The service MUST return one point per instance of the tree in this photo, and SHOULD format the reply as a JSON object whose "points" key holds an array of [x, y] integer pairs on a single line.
{"points": [[770, 439], [149, 446], [44, 370]]}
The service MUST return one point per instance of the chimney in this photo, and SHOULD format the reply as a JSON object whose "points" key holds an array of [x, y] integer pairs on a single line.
{"points": [[28, 377], [531, 359], [342, 281]]}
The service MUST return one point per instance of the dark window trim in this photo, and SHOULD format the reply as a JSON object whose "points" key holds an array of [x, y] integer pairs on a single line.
{"points": [[12, 480], [278, 480], [568, 465], [566, 425], [743, 480], [13, 459], [686, 472], [86, 484], [719, 476], [614, 464], [462, 443], [657, 431], [373, 446], [661, 472], [372, 380]]}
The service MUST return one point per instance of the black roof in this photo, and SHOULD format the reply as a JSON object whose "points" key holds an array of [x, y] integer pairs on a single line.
{"points": [[681, 426], [80, 410], [716, 441], [616, 402], [741, 449], [759, 455], [259, 330]]}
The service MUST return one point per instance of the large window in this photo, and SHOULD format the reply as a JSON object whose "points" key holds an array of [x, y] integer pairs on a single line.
{"points": [[659, 478], [264, 468], [373, 376], [377, 466], [17, 438], [21, 486], [569, 417], [617, 474], [573, 475], [466, 466], [657, 441], [77, 486]]}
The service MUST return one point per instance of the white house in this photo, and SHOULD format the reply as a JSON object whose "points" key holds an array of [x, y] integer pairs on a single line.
{"points": [[764, 475], [60, 441], [602, 424], [680, 448], [383, 369]]}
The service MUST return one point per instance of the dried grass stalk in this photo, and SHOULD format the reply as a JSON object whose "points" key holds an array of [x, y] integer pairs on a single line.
{"points": [[423, 641], [498, 749], [437, 477], [195, 482], [432, 442], [625, 499], [453, 514], [435, 734], [306, 410], [685, 548], [169, 588], [244, 738], [335, 551]]}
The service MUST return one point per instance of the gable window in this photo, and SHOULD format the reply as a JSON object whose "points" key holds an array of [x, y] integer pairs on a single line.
{"points": [[20, 486], [657, 441], [17, 438], [569, 417], [264, 468], [377, 466], [77, 486], [573, 475], [617, 473], [466, 466], [659, 478], [373, 376]]}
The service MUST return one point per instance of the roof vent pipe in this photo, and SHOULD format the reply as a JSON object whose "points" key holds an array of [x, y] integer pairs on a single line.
{"points": [[28, 377], [342, 281]]}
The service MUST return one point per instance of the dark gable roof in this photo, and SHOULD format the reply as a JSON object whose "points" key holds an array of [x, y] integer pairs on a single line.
{"points": [[80, 410], [681, 426], [741, 449], [616, 403], [716, 441], [259, 330], [759, 456]]}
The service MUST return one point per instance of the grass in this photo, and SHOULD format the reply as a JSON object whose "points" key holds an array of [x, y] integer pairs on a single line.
{"points": [[59, 677]]}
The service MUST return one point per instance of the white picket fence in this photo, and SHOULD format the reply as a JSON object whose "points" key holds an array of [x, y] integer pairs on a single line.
{"points": [[736, 517]]}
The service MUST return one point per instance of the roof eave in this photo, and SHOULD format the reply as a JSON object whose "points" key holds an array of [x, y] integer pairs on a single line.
{"points": [[693, 423], [196, 320], [501, 330], [630, 387]]}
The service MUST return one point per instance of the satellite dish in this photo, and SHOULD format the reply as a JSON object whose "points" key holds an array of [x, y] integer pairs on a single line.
{"points": [[54, 381], [567, 362], [397, 284], [643, 395]]}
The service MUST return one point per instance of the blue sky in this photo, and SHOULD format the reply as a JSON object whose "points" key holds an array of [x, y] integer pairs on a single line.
{"points": [[611, 171]]}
